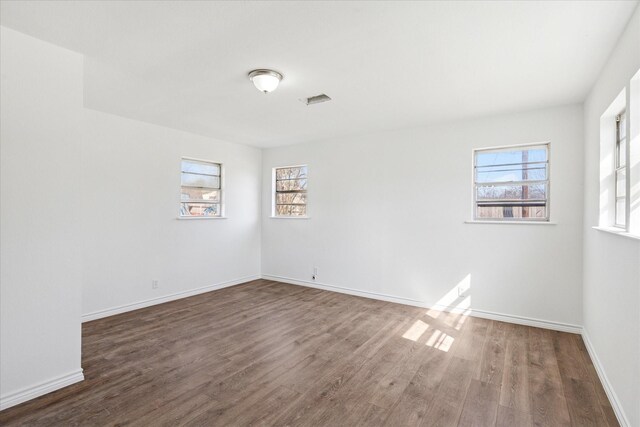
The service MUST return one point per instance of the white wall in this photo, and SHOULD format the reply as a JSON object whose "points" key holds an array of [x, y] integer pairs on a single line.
{"points": [[612, 263], [130, 175], [388, 209], [89, 217], [40, 273]]}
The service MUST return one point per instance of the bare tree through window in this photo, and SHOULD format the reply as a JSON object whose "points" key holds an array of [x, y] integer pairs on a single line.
{"points": [[291, 191]]}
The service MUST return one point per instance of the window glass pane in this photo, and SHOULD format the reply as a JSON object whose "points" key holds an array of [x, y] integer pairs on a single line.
{"points": [[291, 189], [620, 212], [622, 126], [195, 166], [511, 156], [621, 183], [291, 198], [291, 210], [194, 180], [621, 148], [511, 212], [291, 185], [289, 173], [528, 172], [511, 192], [200, 209], [504, 183], [192, 193]]}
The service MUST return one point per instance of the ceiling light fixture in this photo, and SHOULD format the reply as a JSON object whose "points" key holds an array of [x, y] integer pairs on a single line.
{"points": [[265, 80]]}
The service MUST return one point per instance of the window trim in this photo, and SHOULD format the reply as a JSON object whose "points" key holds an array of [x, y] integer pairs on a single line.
{"points": [[274, 211], [474, 211], [222, 189]]}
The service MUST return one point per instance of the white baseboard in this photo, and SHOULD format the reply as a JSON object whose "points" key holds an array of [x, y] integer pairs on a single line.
{"points": [[166, 298], [526, 321], [608, 388], [510, 318], [29, 393]]}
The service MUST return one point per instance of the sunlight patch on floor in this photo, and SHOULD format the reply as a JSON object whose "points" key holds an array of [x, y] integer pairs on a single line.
{"points": [[416, 330], [440, 341], [462, 319]]}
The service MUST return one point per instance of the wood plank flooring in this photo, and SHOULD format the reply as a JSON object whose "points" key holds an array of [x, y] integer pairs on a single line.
{"points": [[268, 353]]}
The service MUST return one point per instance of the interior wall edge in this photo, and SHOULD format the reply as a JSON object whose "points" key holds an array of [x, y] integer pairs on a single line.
{"points": [[608, 387], [20, 396], [166, 298], [502, 317]]}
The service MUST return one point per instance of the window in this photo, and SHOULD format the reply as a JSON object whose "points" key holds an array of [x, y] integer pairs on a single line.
{"points": [[201, 191], [512, 183], [621, 170], [290, 191], [620, 163]]}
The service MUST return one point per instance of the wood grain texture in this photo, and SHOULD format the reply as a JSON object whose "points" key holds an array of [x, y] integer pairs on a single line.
{"points": [[267, 353]]}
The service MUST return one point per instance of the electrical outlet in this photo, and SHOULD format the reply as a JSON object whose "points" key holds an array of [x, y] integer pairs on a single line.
{"points": [[154, 284], [462, 291]]}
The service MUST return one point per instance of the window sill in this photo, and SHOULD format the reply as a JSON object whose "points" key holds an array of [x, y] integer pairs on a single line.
{"points": [[289, 217], [618, 232], [512, 222], [189, 218]]}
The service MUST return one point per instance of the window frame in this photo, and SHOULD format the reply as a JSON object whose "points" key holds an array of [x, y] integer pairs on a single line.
{"points": [[221, 214], [618, 168], [274, 193], [512, 147]]}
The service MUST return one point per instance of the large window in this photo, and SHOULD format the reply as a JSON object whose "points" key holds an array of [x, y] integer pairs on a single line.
{"points": [[201, 190], [621, 170], [512, 183], [290, 191]]}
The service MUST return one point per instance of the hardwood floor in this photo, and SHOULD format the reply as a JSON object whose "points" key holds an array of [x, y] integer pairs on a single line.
{"points": [[267, 353]]}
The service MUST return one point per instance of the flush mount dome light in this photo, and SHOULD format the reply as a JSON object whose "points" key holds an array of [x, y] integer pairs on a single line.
{"points": [[265, 80]]}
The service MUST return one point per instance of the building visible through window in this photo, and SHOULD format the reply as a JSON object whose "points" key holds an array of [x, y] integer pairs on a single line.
{"points": [[201, 190]]}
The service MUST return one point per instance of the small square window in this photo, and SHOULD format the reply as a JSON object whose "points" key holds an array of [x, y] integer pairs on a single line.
{"points": [[512, 183]]}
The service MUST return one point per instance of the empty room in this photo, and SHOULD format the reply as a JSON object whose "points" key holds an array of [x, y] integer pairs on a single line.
{"points": [[320, 213]]}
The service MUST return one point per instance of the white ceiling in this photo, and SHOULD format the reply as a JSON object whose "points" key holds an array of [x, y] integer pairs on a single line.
{"points": [[387, 65]]}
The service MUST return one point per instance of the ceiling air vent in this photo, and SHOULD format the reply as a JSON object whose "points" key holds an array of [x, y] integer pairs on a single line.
{"points": [[316, 99]]}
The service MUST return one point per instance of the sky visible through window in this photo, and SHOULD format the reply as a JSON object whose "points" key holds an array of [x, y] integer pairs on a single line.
{"points": [[491, 169]]}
